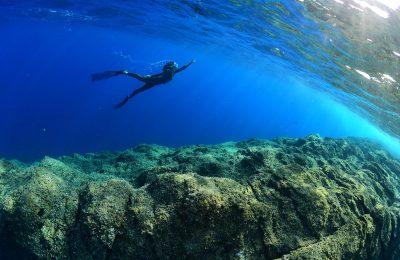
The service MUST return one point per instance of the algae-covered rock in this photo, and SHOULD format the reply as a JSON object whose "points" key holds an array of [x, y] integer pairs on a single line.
{"points": [[307, 198], [39, 213]]}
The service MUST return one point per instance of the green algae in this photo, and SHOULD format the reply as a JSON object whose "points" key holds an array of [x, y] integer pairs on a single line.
{"points": [[307, 198]]}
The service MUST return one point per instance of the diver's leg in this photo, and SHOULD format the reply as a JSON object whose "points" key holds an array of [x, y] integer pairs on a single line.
{"points": [[125, 72], [136, 76], [112, 73], [134, 93]]}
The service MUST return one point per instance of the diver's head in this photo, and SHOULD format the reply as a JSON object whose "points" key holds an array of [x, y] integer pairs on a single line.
{"points": [[170, 66]]}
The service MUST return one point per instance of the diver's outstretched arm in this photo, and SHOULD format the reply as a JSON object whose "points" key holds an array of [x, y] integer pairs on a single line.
{"points": [[187, 65], [134, 93]]}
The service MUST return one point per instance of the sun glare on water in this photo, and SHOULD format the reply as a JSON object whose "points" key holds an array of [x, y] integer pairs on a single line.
{"points": [[393, 4], [362, 5]]}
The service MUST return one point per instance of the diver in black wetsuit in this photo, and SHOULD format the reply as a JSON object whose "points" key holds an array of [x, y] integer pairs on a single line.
{"points": [[169, 70]]}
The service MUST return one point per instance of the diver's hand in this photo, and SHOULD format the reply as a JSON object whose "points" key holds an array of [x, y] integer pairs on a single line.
{"points": [[125, 72], [192, 61]]}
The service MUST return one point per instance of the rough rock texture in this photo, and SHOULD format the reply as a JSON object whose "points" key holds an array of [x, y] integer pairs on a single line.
{"points": [[310, 198]]}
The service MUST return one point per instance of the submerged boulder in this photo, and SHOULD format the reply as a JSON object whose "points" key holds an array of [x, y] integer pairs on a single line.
{"points": [[308, 198]]}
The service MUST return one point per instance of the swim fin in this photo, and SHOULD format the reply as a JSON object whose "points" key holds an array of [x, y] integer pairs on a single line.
{"points": [[122, 103], [104, 75]]}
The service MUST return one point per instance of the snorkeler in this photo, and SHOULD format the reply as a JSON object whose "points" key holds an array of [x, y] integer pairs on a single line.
{"points": [[169, 71]]}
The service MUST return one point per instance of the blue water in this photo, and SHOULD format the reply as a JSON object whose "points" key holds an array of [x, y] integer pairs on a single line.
{"points": [[50, 106]]}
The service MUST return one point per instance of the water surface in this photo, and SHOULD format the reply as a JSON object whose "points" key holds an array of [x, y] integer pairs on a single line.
{"points": [[264, 69]]}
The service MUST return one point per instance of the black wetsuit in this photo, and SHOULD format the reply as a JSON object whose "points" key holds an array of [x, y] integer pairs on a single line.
{"points": [[150, 81]]}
